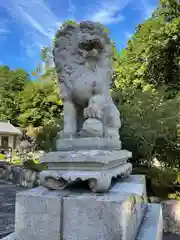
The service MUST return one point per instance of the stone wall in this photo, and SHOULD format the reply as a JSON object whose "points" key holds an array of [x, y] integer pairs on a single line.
{"points": [[19, 175], [171, 214]]}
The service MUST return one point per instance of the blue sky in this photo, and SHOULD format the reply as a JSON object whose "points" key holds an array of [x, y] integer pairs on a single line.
{"points": [[27, 25]]}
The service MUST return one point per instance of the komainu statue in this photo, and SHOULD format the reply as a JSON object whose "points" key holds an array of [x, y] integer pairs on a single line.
{"points": [[83, 60], [88, 149]]}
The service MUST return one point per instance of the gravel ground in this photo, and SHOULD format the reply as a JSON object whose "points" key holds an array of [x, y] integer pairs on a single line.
{"points": [[170, 236], [7, 209]]}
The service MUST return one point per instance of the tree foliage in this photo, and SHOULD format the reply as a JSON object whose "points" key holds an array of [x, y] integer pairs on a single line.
{"points": [[152, 56], [147, 83], [40, 104], [12, 82]]}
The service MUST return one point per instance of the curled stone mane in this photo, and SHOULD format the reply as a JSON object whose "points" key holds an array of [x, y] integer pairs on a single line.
{"points": [[72, 44]]}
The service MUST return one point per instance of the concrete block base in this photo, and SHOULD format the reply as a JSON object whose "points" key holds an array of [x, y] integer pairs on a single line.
{"points": [[42, 214]]}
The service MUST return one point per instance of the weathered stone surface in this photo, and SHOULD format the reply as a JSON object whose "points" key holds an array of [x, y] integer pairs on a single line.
{"points": [[134, 184], [171, 216], [98, 167], [44, 214], [113, 215], [85, 159], [99, 181], [38, 214], [89, 143], [83, 60], [152, 225], [35, 204]]}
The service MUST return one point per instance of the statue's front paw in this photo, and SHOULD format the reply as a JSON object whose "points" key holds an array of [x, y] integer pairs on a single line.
{"points": [[92, 111]]}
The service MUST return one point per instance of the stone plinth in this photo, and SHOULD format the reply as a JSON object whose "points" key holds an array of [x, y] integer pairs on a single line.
{"points": [[98, 167], [120, 214], [89, 143]]}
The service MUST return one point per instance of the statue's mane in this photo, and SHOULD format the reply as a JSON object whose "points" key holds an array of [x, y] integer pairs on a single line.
{"points": [[66, 50]]}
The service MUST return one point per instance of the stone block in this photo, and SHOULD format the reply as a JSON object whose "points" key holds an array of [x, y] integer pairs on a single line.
{"points": [[134, 184], [152, 225], [107, 216], [79, 214], [171, 216], [38, 214], [10, 237], [87, 144]]}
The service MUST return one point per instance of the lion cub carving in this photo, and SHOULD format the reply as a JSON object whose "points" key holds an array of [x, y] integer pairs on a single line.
{"points": [[83, 60]]}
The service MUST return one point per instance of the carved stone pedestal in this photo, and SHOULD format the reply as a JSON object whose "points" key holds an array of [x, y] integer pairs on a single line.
{"points": [[98, 167]]}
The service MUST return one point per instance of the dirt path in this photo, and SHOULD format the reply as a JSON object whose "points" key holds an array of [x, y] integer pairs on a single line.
{"points": [[170, 236]]}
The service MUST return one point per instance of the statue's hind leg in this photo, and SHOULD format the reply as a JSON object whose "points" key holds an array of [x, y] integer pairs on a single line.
{"points": [[111, 121]]}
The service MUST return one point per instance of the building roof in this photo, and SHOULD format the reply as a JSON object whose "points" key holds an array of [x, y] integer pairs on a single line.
{"points": [[8, 128]]}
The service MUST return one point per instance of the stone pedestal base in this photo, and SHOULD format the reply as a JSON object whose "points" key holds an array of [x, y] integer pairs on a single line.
{"points": [[98, 167], [87, 143], [98, 181], [120, 214]]}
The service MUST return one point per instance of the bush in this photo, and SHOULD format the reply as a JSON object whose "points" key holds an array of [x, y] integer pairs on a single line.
{"points": [[2, 156], [160, 182], [45, 138], [149, 126], [16, 161], [30, 164]]}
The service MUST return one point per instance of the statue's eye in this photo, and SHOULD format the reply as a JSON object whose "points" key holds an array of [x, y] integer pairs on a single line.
{"points": [[97, 45], [86, 46]]}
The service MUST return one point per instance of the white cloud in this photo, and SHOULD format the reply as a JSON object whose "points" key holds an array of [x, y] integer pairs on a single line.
{"points": [[34, 23], [109, 11], [37, 21], [35, 13]]}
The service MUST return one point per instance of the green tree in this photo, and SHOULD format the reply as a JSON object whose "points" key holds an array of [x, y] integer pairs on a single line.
{"points": [[40, 104], [151, 58], [146, 89], [12, 83]]}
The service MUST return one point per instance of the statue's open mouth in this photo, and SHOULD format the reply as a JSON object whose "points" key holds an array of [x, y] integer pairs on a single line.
{"points": [[89, 45]]}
